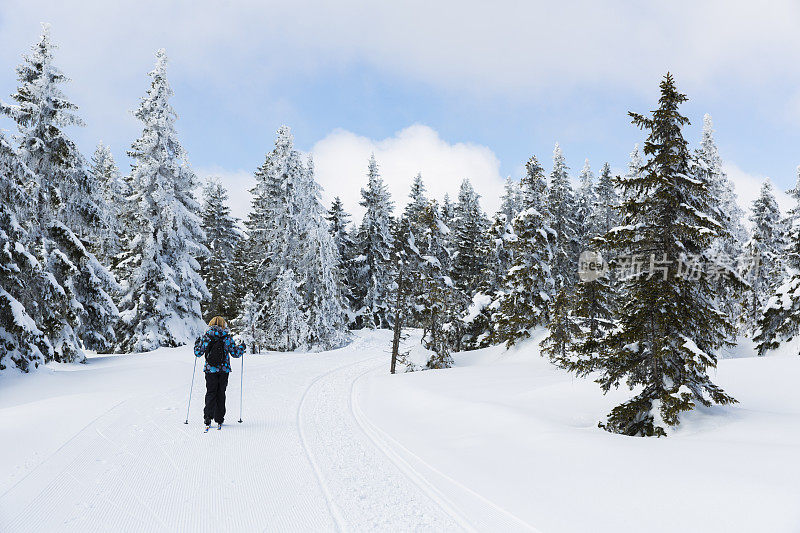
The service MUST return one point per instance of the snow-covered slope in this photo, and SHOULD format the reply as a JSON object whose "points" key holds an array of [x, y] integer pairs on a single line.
{"points": [[508, 429], [502, 442]]}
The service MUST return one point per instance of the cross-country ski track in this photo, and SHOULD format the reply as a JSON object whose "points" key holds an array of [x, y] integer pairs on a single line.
{"points": [[502, 442], [304, 459]]}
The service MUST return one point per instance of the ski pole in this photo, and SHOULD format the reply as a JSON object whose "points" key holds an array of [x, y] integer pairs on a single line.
{"points": [[190, 391], [241, 384]]}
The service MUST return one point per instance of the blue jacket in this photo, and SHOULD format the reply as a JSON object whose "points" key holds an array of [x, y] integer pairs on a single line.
{"points": [[231, 348]]}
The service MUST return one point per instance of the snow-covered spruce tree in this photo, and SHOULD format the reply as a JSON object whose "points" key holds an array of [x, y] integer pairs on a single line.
{"points": [[288, 232], [339, 227], [470, 241], [70, 214], [669, 329], [162, 303], [448, 211], [585, 201], [25, 289], [374, 242], [511, 201], [606, 201], [501, 233], [726, 249], [412, 232], [561, 209], [285, 324], [323, 287], [779, 319], [115, 193], [218, 268], [563, 328], [436, 297], [579, 326], [764, 251], [528, 285]]}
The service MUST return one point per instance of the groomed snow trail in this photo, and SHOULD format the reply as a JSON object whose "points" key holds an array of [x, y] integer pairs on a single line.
{"points": [[299, 462]]}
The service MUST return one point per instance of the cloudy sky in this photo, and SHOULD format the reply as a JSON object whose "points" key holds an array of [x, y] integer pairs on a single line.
{"points": [[452, 89]]}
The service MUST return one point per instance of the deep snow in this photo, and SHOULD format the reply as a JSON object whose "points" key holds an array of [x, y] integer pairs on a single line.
{"points": [[502, 442]]}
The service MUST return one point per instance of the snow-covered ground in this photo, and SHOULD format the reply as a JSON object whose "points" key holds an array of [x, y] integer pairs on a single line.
{"points": [[502, 442]]}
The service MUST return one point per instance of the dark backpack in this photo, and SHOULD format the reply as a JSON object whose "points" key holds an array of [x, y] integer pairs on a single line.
{"points": [[215, 352]]}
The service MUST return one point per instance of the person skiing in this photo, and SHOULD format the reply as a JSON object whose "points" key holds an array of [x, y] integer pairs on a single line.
{"points": [[217, 346]]}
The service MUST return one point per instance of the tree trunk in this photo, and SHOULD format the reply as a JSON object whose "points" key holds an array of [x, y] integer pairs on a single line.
{"points": [[398, 317]]}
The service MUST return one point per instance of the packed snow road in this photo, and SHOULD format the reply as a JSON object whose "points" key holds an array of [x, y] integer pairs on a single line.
{"points": [[104, 448]]}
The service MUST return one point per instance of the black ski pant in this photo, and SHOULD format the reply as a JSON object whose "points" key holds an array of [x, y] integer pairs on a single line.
{"points": [[216, 383]]}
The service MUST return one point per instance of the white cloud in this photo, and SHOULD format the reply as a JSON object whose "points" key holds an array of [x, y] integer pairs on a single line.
{"points": [[748, 187], [238, 183], [340, 161], [504, 47]]}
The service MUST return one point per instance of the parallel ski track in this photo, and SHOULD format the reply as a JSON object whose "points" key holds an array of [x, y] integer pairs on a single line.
{"points": [[394, 451]]}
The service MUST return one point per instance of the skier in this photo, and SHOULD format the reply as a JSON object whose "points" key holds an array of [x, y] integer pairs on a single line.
{"points": [[217, 346]]}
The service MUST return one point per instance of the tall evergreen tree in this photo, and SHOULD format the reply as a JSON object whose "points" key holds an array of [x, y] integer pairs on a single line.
{"points": [[26, 291], [561, 208], [585, 201], [162, 304], [511, 201], [285, 324], [528, 285], [374, 241], [324, 290], [726, 249], [470, 241], [669, 329], [764, 251], [218, 268], [115, 193], [605, 210], [339, 227], [289, 233], [70, 214], [436, 297], [779, 319]]}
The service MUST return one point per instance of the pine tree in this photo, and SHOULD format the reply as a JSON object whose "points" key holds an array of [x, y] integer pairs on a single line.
{"points": [[218, 268], [115, 191], [528, 284], [324, 285], [436, 297], [585, 201], [779, 319], [583, 322], [564, 327], [470, 241], [285, 323], [418, 203], [561, 208], [25, 289], [374, 241], [669, 329], [764, 253], [726, 249], [338, 225], [288, 233], [448, 211], [604, 212], [69, 212], [511, 201], [162, 305]]}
